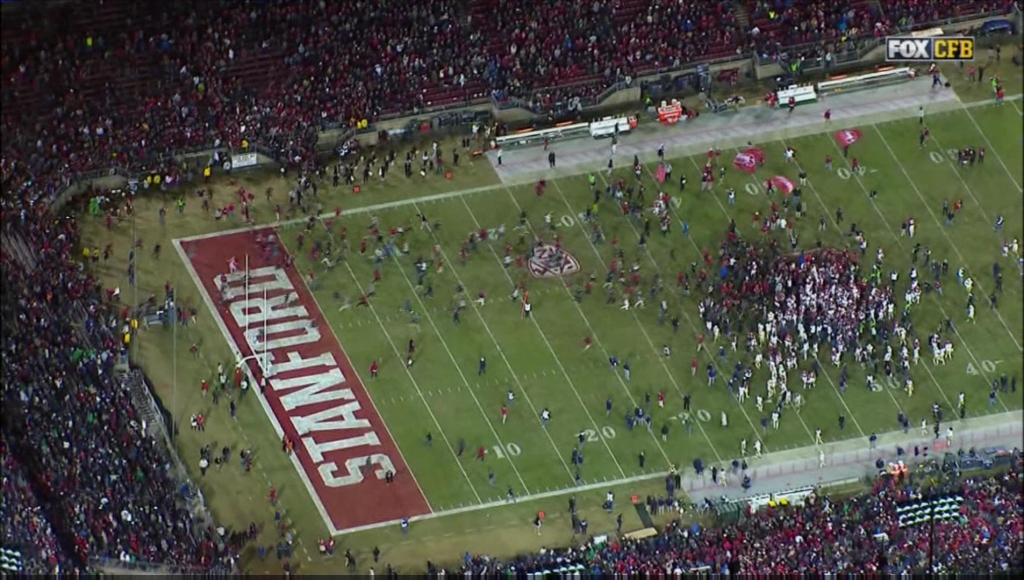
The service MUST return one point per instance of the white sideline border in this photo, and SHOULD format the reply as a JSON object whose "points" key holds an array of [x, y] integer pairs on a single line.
{"points": [[263, 401], [370, 209], [412, 201]]}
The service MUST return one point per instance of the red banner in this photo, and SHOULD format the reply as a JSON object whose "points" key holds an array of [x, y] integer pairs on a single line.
{"points": [[847, 137], [748, 160], [783, 184]]}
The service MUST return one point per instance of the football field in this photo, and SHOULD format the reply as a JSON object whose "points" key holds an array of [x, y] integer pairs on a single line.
{"points": [[433, 414]]}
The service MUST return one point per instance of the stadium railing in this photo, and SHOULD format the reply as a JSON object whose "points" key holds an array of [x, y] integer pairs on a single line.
{"points": [[138, 567], [157, 427]]}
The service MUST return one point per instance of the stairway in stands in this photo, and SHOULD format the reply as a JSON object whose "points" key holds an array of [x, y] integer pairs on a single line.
{"points": [[739, 10]]}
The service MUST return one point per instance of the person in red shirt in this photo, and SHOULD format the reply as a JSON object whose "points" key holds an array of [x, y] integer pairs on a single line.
{"points": [[482, 451], [204, 387], [504, 415], [374, 369], [828, 115]]}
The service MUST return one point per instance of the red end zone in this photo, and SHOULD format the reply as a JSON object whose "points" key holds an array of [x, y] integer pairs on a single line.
{"points": [[341, 443]]}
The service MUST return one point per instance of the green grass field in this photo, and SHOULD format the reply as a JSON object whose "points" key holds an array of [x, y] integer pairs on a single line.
{"points": [[541, 358]]}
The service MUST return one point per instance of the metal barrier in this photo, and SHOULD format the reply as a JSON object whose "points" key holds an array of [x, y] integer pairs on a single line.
{"points": [[138, 567]]}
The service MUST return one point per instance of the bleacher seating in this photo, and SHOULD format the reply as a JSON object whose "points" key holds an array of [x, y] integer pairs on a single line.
{"points": [[862, 535], [906, 13], [28, 544], [106, 491], [115, 83], [776, 26]]}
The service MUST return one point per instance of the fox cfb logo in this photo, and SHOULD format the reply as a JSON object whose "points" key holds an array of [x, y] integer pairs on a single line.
{"points": [[909, 49]]}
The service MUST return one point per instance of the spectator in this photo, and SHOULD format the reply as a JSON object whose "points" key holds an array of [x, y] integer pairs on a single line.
{"points": [[26, 531], [822, 537], [106, 489]]}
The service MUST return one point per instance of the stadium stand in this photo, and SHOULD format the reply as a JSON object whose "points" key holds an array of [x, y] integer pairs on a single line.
{"points": [[27, 544], [106, 491], [128, 85], [121, 83], [861, 535]]}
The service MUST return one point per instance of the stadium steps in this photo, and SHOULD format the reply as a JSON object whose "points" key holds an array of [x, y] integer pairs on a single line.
{"points": [[18, 248], [742, 16], [144, 404]]}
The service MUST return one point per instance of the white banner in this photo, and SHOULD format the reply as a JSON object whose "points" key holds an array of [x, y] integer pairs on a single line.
{"points": [[242, 160]]}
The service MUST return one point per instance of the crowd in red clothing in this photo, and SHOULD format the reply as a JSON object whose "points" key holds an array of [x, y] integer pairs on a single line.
{"points": [[858, 536], [119, 83]]}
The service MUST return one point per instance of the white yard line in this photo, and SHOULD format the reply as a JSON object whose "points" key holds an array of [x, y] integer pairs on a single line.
{"points": [[437, 197], [460, 194], [420, 392], [593, 333], [497, 347], [215, 314], [458, 369], [896, 238], [769, 459], [245, 439], [977, 203], [991, 148], [828, 377], [949, 239], [554, 353], [694, 244], [689, 321]]}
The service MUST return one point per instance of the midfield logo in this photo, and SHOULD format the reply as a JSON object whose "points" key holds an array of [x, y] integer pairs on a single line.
{"points": [[909, 49], [550, 262]]}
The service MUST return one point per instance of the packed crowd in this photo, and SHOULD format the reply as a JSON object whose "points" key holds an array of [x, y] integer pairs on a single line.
{"points": [[26, 530], [121, 83], [71, 436], [861, 535], [798, 30], [818, 296]]}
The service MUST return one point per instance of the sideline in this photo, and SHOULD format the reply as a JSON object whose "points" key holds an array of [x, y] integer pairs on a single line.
{"points": [[902, 114], [804, 466]]}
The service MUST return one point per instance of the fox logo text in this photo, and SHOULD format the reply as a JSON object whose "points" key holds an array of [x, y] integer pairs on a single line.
{"points": [[908, 49]]}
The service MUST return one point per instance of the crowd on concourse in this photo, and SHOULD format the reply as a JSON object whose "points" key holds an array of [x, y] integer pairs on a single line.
{"points": [[857, 536]]}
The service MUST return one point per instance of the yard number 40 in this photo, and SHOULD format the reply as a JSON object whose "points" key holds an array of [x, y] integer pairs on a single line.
{"points": [[987, 366]]}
